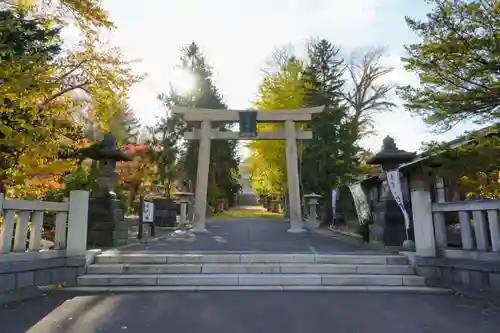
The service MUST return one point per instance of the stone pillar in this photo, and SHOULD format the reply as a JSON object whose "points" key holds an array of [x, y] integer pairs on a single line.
{"points": [[296, 224], [439, 220], [183, 217], [76, 243], [423, 226], [200, 204]]}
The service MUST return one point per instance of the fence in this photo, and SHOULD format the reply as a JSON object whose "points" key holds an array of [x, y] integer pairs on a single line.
{"points": [[22, 223], [478, 224], [25, 264], [474, 258]]}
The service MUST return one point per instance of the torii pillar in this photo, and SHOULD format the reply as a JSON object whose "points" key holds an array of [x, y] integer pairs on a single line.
{"points": [[200, 198], [292, 171]]}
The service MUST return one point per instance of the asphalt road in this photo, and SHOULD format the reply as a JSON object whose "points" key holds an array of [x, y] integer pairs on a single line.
{"points": [[264, 235], [251, 312]]}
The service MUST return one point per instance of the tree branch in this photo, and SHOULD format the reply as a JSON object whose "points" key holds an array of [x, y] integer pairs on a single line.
{"points": [[62, 92]]}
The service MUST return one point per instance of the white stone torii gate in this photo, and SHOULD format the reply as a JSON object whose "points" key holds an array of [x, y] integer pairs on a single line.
{"points": [[206, 133]]}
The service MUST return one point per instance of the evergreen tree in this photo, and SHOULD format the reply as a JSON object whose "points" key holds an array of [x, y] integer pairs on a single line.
{"points": [[458, 63], [328, 158], [223, 176], [37, 42]]}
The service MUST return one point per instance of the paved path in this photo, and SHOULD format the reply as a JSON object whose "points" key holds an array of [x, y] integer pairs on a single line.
{"points": [[251, 312], [265, 235]]}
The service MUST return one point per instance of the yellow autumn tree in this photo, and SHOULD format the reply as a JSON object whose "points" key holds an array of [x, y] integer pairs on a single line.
{"points": [[279, 90], [47, 91]]}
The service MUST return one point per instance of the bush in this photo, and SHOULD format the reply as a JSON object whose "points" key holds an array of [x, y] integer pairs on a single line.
{"points": [[78, 179]]}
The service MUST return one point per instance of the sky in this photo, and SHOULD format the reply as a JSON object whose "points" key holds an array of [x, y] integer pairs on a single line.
{"points": [[237, 37]]}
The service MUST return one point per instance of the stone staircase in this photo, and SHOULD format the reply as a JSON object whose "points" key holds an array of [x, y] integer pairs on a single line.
{"points": [[114, 272]]}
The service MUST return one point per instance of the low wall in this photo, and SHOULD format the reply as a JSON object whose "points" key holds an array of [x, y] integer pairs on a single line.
{"points": [[21, 274], [473, 273]]}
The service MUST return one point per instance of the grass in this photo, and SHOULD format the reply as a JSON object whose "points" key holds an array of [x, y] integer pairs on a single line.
{"points": [[246, 214]]}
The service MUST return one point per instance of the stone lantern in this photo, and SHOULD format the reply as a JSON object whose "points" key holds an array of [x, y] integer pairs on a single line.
{"points": [[388, 226], [106, 219], [312, 201], [184, 200]]}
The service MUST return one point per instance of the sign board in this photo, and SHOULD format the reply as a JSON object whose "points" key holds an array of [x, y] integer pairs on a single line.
{"points": [[148, 209], [395, 186], [248, 123]]}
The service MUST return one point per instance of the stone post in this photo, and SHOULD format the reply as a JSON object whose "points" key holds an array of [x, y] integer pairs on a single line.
{"points": [[200, 198], [439, 220], [423, 226], [312, 201], [76, 243], [296, 224]]}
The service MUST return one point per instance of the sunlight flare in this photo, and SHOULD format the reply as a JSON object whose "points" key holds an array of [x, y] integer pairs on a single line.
{"points": [[183, 81]]}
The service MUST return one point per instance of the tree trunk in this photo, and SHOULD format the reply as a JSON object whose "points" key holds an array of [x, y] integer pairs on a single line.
{"points": [[327, 214], [2, 186], [132, 195]]}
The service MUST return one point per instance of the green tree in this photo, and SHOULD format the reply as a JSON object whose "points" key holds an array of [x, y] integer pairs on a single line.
{"points": [[458, 63], [29, 45], [163, 150], [223, 178], [329, 156]]}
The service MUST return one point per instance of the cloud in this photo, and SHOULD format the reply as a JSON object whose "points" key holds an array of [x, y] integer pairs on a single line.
{"points": [[398, 75]]}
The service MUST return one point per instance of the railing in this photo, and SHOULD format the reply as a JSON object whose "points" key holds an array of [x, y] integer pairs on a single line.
{"points": [[21, 228], [478, 221]]}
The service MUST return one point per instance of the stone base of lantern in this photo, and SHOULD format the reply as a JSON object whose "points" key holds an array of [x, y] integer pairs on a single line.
{"points": [[106, 223], [388, 226]]}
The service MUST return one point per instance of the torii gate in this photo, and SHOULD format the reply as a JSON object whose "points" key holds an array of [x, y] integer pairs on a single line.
{"points": [[248, 131]]}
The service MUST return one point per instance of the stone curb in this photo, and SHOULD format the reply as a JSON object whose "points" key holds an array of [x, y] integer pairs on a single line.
{"points": [[280, 288]]}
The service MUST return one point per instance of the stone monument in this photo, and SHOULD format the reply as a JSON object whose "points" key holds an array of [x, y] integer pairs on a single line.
{"points": [[388, 226], [106, 221]]}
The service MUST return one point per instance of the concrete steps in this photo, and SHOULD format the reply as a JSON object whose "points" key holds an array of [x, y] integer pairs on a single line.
{"points": [[253, 258], [283, 272], [250, 280], [249, 269]]}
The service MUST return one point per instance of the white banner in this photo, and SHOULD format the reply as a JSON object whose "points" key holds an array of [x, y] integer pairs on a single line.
{"points": [[334, 203], [360, 202], [148, 209], [395, 186]]}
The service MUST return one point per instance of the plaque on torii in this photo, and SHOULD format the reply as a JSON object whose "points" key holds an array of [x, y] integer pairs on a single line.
{"points": [[248, 123]]}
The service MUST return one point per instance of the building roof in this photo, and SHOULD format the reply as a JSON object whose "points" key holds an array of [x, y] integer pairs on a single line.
{"points": [[463, 139]]}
